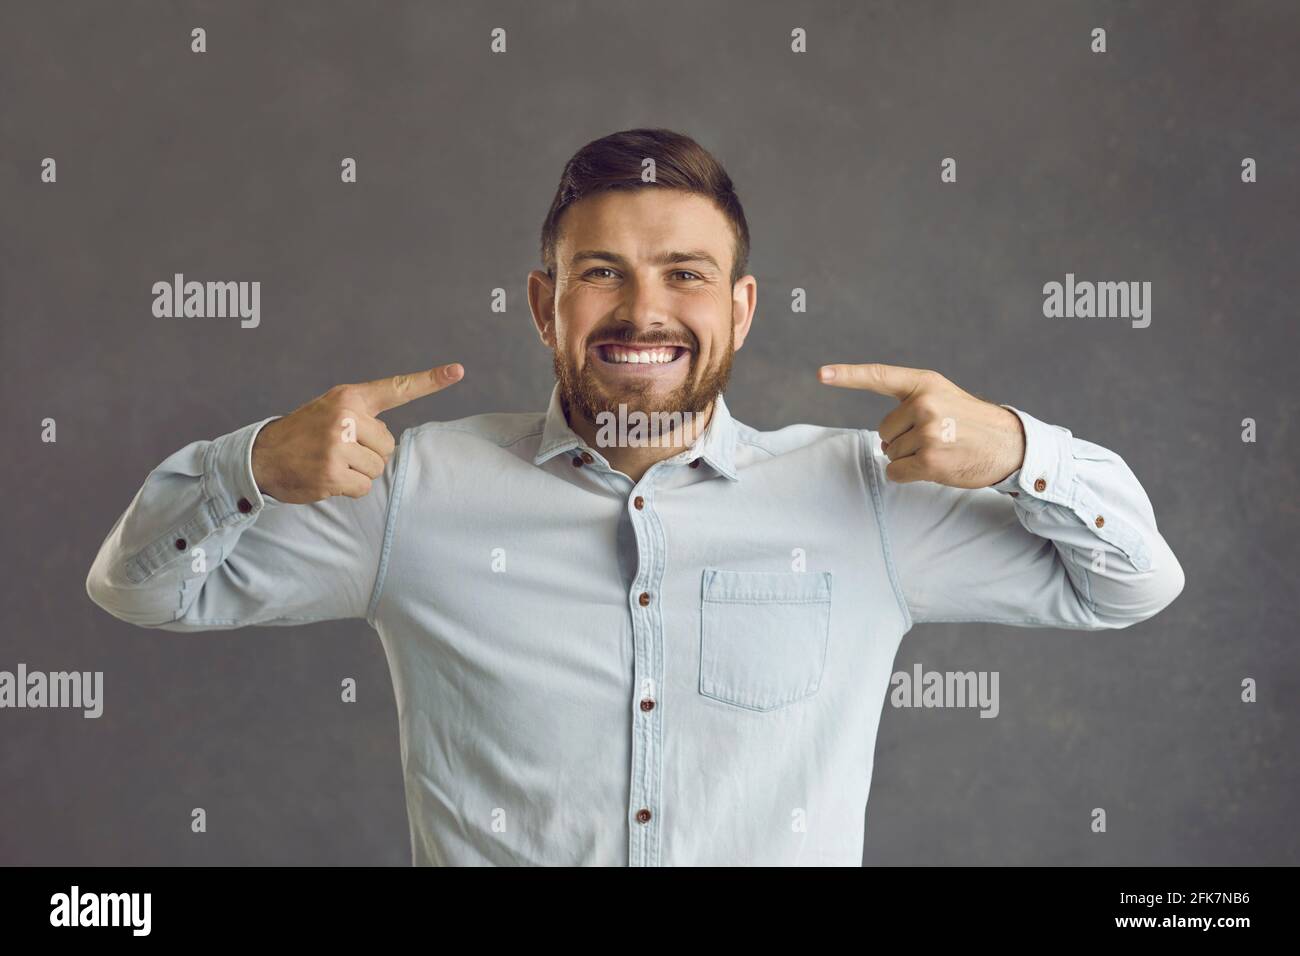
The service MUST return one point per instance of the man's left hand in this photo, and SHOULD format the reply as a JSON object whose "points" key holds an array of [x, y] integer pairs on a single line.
{"points": [[938, 432]]}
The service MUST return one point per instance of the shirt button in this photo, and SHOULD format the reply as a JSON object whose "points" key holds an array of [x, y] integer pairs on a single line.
{"points": [[586, 456], [245, 505], [695, 463], [1040, 484], [644, 598], [643, 815], [577, 462], [647, 704], [1015, 494], [638, 502], [1100, 522], [180, 544]]}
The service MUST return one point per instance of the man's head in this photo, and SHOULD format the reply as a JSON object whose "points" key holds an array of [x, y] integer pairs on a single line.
{"points": [[636, 263]]}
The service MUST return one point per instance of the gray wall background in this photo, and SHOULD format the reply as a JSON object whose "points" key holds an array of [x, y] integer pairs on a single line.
{"points": [[1122, 166]]}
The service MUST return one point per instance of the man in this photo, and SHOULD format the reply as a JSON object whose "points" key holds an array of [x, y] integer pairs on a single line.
{"points": [[612, 651]]}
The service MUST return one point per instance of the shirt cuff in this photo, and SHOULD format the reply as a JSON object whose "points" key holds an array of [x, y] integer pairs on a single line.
{"points": [[228, 497], [1047, 472], [232, 490]]}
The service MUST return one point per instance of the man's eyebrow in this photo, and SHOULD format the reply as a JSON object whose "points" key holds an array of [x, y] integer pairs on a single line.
{"points": [[664, 258]]}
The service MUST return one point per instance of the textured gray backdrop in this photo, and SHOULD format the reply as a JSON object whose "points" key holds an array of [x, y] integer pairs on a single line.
{"points": [[225, 165]]}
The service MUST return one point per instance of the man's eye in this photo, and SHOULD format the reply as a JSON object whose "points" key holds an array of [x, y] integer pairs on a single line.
{"points": [[689, 275], [591, 272]]}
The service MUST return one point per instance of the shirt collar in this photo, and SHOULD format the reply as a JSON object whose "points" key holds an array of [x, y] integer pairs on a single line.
{"points": [[717, 445]]}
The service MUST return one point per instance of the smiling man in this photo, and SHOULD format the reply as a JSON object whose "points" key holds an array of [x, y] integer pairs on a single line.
{"points": [[619, 653]]}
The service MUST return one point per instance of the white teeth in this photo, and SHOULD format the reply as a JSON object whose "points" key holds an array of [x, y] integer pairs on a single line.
{"points": [[639, 356]]}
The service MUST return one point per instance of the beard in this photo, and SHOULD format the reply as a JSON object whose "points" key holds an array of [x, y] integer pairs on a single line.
{"points": [[582, 393]]}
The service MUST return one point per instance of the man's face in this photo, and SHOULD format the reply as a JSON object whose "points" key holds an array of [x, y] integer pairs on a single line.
{"points": [[642, 310]]}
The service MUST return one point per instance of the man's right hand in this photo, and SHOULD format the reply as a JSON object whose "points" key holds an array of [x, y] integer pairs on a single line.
{"points": [[334, 445]]}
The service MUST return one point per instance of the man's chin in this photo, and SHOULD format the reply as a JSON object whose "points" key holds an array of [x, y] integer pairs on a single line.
{"points": [[647, 401]]}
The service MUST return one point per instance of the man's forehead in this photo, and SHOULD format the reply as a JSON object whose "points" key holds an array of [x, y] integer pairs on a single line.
{"points": [[643, 222]]}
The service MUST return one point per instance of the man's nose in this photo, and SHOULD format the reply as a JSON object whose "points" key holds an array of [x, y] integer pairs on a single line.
{"points": [[645, 303]]}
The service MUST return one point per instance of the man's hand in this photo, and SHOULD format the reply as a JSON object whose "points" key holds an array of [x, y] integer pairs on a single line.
{"points": [[334, 445], [938, 432]]}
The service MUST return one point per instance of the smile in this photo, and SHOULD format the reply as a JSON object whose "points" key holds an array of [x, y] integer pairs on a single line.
{"points": [[638, 361], [613, 354]]}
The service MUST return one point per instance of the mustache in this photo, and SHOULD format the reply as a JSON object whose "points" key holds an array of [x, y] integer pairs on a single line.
{"points": [[631, 337]]}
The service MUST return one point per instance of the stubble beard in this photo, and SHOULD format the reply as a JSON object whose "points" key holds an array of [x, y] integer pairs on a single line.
{"points": [[583, 394]]}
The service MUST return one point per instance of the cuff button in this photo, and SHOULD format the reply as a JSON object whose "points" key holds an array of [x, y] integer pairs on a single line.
{"points": [[180, 544], [1040, 485], [245, 506], [1100, 522]]}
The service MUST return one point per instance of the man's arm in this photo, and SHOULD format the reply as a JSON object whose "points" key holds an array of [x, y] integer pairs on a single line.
{"points": [[992, 515], [279, 522], [1040, 558]]}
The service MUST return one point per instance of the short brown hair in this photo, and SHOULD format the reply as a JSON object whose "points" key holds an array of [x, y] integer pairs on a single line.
{"points": [[614, 162]]}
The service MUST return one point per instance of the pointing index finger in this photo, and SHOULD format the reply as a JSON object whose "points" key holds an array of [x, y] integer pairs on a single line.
{"points": [[385, 393], [896, 381]]}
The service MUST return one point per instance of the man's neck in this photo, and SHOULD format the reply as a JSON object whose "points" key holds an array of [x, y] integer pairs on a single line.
{"points": [[635, 460]]}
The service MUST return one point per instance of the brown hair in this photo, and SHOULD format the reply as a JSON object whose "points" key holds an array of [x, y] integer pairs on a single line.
{"points": [[614, 162]]}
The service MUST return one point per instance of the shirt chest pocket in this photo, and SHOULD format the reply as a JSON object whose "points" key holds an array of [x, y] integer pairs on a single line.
{"points": [[763, 636]]}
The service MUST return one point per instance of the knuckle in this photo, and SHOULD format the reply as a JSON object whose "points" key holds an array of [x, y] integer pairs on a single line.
{"points": [[343, 417], [926, 404], [927, 457]]}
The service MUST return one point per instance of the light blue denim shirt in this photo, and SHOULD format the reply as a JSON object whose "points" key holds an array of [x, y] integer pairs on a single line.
{"points": [[688, 669]]}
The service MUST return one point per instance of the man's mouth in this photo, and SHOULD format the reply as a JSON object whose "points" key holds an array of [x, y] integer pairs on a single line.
{"points": [[639, 356]]}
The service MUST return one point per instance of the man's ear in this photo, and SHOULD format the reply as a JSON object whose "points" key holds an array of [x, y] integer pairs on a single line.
{"points": [[541, 302], [744, 298]]}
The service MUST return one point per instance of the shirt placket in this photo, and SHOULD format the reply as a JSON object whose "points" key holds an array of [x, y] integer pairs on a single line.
{"points": [[645, 807]]}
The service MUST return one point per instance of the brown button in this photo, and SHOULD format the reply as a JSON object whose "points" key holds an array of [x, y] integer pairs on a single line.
{"points": [[644, 598], [643, 815], [180, 544], [577, 462], [586, 456], [245, 505], [1015, 494], [1040, 484], [695, 463], [638, 502], [647, 704], [1100, 522]]}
